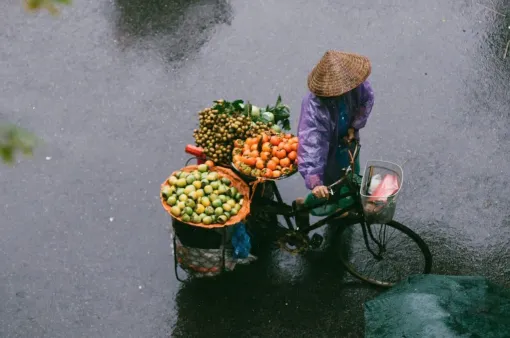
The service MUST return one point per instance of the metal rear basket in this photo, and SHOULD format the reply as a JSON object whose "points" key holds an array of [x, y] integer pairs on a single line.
{"points": [[379, 205]]}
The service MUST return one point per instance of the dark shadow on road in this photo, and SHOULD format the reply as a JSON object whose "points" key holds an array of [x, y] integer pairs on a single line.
{"points": [[276, 296], [175, 28]]}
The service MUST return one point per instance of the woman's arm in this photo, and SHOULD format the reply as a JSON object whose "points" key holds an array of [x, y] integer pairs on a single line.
{"points": [[313, 133], [366, 104]]}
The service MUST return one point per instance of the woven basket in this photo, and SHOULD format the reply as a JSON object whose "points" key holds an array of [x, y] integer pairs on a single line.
{"points": [[237, 182]]}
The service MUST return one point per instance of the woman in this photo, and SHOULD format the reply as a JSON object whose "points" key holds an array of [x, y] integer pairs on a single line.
{"points": [[332, 113]]}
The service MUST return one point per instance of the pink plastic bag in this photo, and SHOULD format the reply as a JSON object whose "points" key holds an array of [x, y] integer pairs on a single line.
{"points": [[386, 188]]}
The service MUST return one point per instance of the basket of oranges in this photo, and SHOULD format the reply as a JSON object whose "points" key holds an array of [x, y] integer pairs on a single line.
{"points": [[270, 156]]}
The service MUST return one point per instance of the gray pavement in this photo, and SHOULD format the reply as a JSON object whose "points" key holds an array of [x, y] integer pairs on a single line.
{"points": [[113, 88]]}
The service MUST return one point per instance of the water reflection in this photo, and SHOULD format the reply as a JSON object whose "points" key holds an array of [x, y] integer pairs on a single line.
{"points": [[268, 299], [175, 28]]}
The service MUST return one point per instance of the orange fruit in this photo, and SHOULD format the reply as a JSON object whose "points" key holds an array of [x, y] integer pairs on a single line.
{"points": [[294, 139], [281, 153], [254, 146], [275, 140], [271, 165], [285, 162], [246, 152], [250, 161], [265, 138], [287, 147], [294, 146], [260, 164], [276, 174], [266, 147], [288, 136], [254, 153], [265, 156], [276, 160], [292, 156], [267, 172]]}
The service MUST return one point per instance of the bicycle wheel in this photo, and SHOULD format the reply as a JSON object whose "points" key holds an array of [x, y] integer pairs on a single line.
{"points": [[397, 252]]}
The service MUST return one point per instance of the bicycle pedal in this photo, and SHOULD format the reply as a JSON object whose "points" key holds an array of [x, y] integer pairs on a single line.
{"points": [[316, 241]]}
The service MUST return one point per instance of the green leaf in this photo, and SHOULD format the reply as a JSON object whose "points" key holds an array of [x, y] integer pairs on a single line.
{"points": [[14, 139], [278, 101]]}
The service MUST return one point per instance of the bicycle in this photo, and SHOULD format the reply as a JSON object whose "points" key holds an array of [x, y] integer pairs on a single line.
{"points": [[349, 220]]}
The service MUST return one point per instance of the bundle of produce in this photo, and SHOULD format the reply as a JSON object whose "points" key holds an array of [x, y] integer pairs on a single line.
{"points": [[205, 196], [227, 121], [266, 155]]}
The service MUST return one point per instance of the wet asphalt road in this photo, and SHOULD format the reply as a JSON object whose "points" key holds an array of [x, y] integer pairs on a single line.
{"points": [[113, 88]]}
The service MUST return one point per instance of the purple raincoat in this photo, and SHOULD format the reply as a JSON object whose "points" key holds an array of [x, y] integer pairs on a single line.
{"points": [[318, 136]]}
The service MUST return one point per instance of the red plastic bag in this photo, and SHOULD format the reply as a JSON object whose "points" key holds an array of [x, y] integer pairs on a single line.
{"points": [[386, 188]]}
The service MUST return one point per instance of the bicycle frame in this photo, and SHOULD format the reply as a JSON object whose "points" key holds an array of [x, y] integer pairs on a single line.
{"points": [[354, 192]]}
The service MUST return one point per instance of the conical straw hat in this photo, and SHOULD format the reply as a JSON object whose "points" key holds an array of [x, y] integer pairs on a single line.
{"points": [[337, 73]]}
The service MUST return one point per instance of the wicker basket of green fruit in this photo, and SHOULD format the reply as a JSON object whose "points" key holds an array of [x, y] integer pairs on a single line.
{"points": [[205, 196]]}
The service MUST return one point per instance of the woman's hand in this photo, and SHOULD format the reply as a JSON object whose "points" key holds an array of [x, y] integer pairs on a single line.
{"points": [[350, 136], [321, 191]]}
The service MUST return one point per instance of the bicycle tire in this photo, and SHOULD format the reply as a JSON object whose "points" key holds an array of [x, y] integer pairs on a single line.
{"points": [[423, 247]]}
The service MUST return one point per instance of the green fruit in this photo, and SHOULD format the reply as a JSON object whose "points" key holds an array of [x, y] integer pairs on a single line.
{"points": [[176, 211], [205, 201], [231, 202], [179, 191], [183, 175], [181, 205], [181, 182], [200, 193], [189, 189], [183, 198], [212, 176], [173, 189], [209, 210], [226, 181], [218, 211], [216, 203], [202, 216], [233, 191], [199, 209], [227, 207], [203, 176], [213, 197], [190, 179], [172, 180], [213, 217], [234, 211], [208, 189], [188, 211], [207, 220], [196, 219], [222, 189], [204, 182], [186, 218], [227, 215], [190, 203], [193, 195], [238, 197], [223, 198], [221, 219], [202, 168], [172, 200], [196, 175], [215, 185], [197, 184], [178, 173], [166, 191]]}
